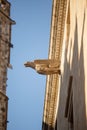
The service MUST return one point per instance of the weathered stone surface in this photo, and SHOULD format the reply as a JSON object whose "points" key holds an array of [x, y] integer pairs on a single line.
{"points": [[5, 34], [45, 67]]}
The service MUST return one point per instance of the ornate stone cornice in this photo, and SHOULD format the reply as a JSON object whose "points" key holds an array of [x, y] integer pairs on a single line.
{"points": [[55, 49]]}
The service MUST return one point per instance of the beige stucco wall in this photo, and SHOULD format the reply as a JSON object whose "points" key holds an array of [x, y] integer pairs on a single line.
{"points": [[74, 63]]}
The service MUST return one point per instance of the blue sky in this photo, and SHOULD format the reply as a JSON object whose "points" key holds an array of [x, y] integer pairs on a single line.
{"points": [[26, 88]]}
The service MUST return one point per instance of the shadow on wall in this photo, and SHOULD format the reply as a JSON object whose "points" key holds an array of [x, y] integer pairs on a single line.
{"points": [[76, 111], [79, 110]]}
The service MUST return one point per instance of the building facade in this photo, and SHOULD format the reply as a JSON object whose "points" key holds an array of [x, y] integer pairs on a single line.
{"points": [[65, 105], [5, 45]]}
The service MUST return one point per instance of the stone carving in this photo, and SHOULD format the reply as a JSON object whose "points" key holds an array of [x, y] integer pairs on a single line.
{"points": [[45, 67]]}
